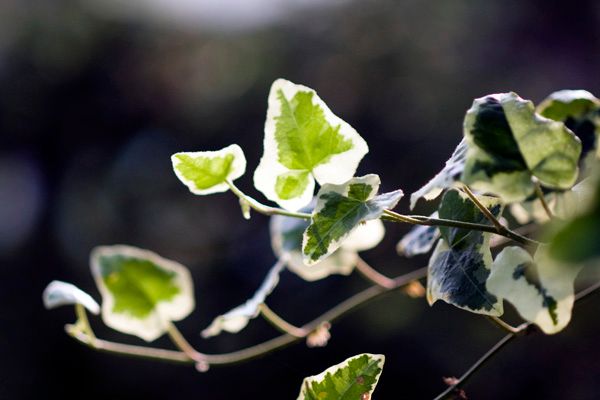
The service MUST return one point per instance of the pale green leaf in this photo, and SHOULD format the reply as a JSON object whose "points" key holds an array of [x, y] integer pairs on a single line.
{"points": [[206, 172], [509, 143], [540, 289], [446, 178], [236, 319], [304, 141], [352, 379], [460, 263], [141, 291], [59, 293], [339, 210]]}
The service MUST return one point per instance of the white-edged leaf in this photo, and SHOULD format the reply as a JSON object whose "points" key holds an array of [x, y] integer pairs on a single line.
{"points": [[304, 141], [206, 172], [540, 289], [142, 292], [59, 293], [419, 240], [352, 379], [444, 179], [236, 319], [339, 210]]}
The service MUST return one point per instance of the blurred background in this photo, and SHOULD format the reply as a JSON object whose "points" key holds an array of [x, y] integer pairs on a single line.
{"points": [[95, 95]]}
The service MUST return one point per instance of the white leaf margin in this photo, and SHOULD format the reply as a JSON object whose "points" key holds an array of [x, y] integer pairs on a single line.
{"points": [[59, 293], [340, 168], [158, 321], [238, 318], [379, 358], [238, 168]]}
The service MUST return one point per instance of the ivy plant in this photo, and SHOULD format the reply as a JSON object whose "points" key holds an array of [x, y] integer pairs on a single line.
{"points": [[490, 244]]}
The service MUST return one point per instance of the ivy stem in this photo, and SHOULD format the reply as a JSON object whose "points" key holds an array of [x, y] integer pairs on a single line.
{"points": [[503, 325], [521, 329], [182, 344], [373, 275], [540, 195], [279, 323], [84, 321], [263, 208], [488, 214], [429, 221], [193, 356]]}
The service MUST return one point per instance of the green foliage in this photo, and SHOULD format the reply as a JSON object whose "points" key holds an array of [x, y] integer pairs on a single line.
{"points": [[141, 291], [352, 379], [459, 265], [339, 210]]}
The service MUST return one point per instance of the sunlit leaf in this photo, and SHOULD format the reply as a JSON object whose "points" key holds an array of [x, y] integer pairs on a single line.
{"points": [[540, 289], [460, 263], [236, 319], [419, 240], [509, 143], [286, 240], [141, 291], [580, 112], [445, 178], [304, 141], [206, 172], [353, 379], [339, 210], [59, 293]]}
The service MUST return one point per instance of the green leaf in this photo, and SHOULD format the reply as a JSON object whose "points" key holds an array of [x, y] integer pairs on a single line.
{"points": [[339, 210], [59, 293], [236, 319], [446, 178], [304, 141], [460, 263], [540, 289], [419, 240], [141, 291], [509, 143], [286, 240], [353, 379], [580, 112], [206, 172]]}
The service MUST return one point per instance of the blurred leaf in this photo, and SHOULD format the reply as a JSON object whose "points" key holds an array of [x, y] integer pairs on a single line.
{"points": [[141, 291], [509, 143], [419, 240], [540, 289], [353, 379], [339, 210], [59, 293], [460, 263], [304, 141], [206, 172]]}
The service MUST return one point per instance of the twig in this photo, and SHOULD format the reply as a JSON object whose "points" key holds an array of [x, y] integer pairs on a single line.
{"points": [[540, 195], [483, 209], [503, 325], [373, 275], [280, 323], [504, 341], [263, 208]]}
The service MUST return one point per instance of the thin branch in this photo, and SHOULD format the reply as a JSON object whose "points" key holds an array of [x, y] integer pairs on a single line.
{"points": [[373, 275], [540, 195], [252, 351], [182, 344], [503, 325], [263, 208], [523, 328], [488, 214], [280, 323]]}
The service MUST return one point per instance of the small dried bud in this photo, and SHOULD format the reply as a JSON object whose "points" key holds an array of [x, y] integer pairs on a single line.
{"points": [[414, 289], [320, 336]]}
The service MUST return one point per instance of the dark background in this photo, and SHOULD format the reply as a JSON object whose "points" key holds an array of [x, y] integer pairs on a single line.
{"points": [[94, 97]]}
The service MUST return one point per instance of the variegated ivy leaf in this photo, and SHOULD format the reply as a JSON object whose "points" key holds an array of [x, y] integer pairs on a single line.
{"points": [[509, 143], [445, 178], [460, 263], [237, 319], [206, 172], [286, 240], [419, 240], [580, 112], [540, 289], [304, 141], [339, 210], [353, 379], [59, 293], [141, 291]]}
